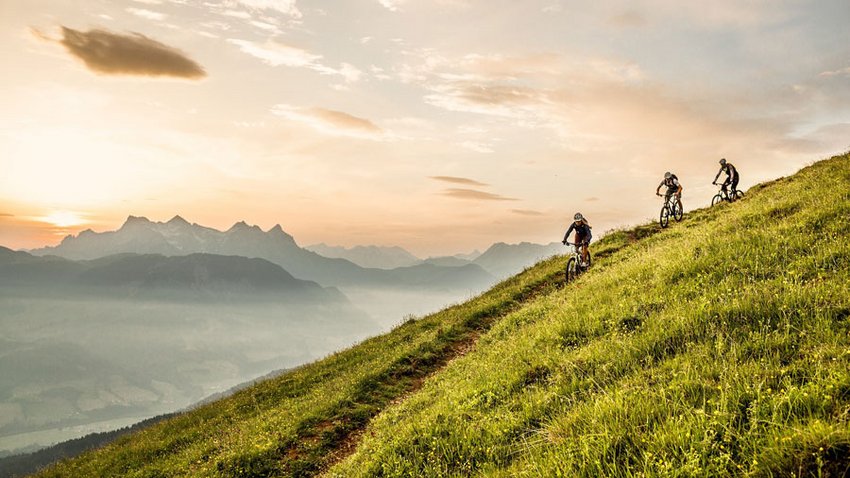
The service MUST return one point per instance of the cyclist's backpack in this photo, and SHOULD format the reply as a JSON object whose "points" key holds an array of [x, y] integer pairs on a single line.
{"points": [[669, 182]]}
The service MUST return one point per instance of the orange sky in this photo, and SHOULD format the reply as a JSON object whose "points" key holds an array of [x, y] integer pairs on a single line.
{"points": [[440, 126]]}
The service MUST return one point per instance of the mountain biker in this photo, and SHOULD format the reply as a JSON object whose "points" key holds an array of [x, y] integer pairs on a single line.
{"points": [[673, 187], [731, 177], [583, 234]]}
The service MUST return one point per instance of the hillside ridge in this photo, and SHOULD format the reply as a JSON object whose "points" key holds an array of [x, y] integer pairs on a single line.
{"points": [[718, 347]]}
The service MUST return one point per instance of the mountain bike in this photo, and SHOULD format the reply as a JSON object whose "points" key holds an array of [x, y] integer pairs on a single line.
{"points": [[575, 264], [670, 208], [724, 195]]}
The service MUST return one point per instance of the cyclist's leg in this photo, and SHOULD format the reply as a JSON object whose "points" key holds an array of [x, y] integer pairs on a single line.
{"points": [[734, 187]]}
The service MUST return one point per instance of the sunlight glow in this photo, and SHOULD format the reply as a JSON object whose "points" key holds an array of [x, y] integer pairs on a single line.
{"points": [[62, 219]]}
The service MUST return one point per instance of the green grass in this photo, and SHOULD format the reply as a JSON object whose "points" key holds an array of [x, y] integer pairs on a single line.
{"points": [[718, 347]]}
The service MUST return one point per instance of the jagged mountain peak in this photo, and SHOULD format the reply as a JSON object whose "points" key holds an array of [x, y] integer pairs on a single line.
{"points": [[136, 220], [177, 220]]}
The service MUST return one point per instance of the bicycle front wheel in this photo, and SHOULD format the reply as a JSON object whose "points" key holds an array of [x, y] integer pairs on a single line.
{"points": [[571, 271], [716, 199], [664, 217]]}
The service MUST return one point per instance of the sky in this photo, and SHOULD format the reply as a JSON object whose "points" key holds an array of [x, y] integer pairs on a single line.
{"points": [[440, 126]]}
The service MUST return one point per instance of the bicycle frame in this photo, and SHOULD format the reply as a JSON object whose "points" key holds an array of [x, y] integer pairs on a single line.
{"points": [[575, 258]]}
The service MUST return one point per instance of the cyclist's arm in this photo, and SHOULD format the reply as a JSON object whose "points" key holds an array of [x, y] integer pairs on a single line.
{"points": [[718, 175], [567, 235]]}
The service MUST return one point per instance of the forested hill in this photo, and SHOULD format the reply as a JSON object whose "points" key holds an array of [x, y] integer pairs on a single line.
{"points": [[717, 347]]}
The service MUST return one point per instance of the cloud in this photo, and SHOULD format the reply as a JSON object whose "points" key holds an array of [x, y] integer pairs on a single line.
{"points": [[149, 14], [5, 214], [128, 54], [501, 100], [392, 5], [591, 199], [277, 54], [287, 7], [473, 194], [839, 72], [458, 180], [333, 122], [526, 212]]}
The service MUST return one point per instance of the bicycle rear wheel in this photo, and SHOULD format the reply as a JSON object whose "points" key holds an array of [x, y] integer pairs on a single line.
{"points": [[571, 271], [664, 217], [739, 194], [677, 211]]}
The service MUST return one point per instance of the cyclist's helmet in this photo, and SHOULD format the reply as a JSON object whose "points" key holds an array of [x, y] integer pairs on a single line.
{"points": [[578, 217], [668, 175], [723, 161]]}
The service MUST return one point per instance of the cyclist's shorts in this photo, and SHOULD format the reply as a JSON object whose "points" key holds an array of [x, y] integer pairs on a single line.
{"points": [[581, 238], [671, 191]]}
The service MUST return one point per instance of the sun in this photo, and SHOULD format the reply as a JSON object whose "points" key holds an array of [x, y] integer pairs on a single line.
{"points": [[63, 219]]}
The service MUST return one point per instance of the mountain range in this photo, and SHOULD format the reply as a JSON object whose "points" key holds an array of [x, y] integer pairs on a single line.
{"points": [[361, 266], [376, 257], [138, 235]]}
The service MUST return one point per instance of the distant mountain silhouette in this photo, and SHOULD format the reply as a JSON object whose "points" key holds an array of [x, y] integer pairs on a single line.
{"points": [[177, 237], [368, 256], [191, 277], [503, 260], [447, 261]]}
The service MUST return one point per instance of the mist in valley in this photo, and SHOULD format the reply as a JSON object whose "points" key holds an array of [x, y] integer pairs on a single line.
{"points": [[73, 366]]}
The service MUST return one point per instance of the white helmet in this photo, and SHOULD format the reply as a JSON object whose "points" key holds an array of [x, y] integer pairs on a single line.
{"points": [[578, 217], [668, 175]]}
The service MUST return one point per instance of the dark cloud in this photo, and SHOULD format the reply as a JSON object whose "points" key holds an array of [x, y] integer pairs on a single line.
{"points": [[128, 54], [457, 180], [460, 193], [526, 212]]}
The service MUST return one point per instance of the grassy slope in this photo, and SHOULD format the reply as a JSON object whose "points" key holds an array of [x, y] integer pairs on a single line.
{"points": [[719, 346]]}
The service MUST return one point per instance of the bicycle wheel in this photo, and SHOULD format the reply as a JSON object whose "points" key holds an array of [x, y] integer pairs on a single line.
{"points": [[716, 199], [571, 271], [739, 194], [664, 218], [677, 211]]}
